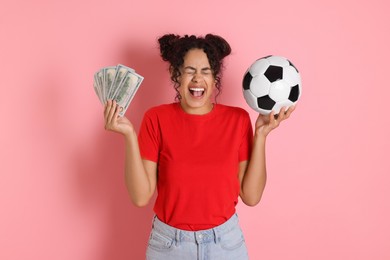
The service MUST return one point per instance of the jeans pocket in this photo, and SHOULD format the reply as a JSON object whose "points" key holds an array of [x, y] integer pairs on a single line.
{"points": [[232, 240], [160, 242]]}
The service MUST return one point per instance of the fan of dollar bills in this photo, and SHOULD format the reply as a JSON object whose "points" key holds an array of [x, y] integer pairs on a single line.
{"points": [[119, 83]]}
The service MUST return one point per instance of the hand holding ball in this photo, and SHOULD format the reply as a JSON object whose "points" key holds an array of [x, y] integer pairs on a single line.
{"points": [[271, 83]]}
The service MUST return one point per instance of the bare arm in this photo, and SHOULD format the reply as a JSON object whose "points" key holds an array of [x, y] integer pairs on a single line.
{"points": [[140, 175], [253, 173]]}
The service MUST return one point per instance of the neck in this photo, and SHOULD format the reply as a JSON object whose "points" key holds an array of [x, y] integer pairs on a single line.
{"points": [[197, 110]]}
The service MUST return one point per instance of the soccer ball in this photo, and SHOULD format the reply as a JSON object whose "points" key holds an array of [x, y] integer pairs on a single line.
{"points": [[270, 83]]}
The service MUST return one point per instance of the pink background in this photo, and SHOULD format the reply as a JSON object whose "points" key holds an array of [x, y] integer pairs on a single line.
{"points": [[62, 186]]}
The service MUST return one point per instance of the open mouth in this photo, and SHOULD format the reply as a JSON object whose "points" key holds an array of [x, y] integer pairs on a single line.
{"points": [[197, 92]]}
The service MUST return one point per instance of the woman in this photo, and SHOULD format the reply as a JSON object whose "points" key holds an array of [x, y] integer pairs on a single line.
{"points": [[200, 156]]}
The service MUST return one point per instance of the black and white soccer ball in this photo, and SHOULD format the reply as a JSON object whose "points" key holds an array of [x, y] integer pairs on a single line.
{"points": [[270, 83]]}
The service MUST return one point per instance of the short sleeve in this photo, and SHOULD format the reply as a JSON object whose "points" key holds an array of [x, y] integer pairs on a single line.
{"points": [[149, 138], [246, 139]]}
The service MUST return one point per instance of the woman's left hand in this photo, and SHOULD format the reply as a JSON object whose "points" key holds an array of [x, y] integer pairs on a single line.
{"points": [[266, 123]]}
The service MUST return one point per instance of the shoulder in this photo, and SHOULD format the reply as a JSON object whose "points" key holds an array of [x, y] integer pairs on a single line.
{"points": [[160, 110], [234, 111]]}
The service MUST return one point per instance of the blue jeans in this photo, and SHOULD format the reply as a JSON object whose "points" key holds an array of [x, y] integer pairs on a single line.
{"points": [[225, 241]]}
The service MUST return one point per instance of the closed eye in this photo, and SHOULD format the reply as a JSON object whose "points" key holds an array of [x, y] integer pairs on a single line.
{"points": [[189, 71], [206, 71]]}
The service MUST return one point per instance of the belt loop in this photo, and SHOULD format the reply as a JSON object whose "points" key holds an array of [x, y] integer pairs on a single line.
{"points": [[216, 238], [153, 220], [177, 236]]}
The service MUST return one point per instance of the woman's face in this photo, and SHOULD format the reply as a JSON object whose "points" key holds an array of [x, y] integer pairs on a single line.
{"points": [[197, 83]]}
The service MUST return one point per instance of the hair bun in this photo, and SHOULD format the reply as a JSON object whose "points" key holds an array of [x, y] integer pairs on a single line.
{"points": [[167, 43], [221, 45]]}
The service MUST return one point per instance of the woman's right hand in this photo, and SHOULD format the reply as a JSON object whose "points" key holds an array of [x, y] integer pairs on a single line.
{"points": [[114, 122]]}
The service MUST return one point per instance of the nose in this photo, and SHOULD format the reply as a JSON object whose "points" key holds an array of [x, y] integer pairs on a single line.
{"points": [[196, 78]]}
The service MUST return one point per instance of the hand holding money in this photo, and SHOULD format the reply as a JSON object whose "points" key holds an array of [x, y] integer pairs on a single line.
{"points": [[119, 83], [114, 122]]}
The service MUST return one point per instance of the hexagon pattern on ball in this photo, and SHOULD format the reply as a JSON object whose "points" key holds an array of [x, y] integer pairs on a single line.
{"points": [[270, 83]]}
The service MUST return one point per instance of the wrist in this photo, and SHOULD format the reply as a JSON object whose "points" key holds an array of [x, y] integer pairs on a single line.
{"points": [[260, 134], [130, 134], [260, 138]]}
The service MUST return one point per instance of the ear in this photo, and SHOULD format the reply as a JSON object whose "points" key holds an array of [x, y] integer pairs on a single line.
{"points": [[215, 81]]}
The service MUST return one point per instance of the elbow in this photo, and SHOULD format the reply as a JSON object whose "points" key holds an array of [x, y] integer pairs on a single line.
{"points": [[140, 203], [251, 202], [139, 199], [250, 195]]}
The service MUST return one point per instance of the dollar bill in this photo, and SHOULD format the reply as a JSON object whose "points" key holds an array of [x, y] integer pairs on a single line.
{"points": [[95, 87], [127, 90], [101, 82], [98, 87], [130, 97], [119, 83], [109, 76], [119, 76]]}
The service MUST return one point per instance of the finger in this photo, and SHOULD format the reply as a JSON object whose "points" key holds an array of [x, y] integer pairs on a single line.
{"points": [[273, 119], [289, 111], [116, 114], [107, 109], [111, 113], [282, 114]]}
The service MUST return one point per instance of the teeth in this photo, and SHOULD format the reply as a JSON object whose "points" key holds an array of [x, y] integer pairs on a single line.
{"points": [[197, 89]]}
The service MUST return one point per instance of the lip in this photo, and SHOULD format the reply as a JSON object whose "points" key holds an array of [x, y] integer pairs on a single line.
{"points": [[197, 92]]}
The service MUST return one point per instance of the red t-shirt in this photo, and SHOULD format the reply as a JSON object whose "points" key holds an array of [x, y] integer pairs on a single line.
{"points": [[198, 158]]}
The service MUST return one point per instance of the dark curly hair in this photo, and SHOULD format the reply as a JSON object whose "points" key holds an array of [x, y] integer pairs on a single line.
{"points": [[173, 48]]}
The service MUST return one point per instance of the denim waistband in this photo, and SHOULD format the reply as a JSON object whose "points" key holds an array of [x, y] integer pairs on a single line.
{"points": [[201, 236]]}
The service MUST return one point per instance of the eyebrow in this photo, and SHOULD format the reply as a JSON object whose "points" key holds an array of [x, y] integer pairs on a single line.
{"points": [[192, 68]]}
